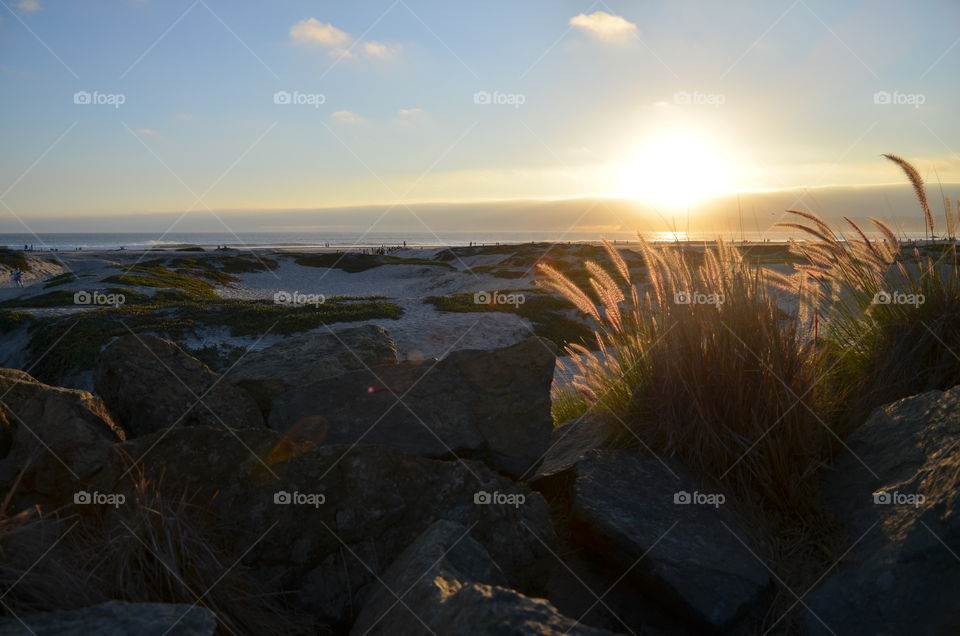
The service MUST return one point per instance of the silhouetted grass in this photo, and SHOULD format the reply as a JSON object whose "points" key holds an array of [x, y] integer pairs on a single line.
{"points": [[889, 315]]}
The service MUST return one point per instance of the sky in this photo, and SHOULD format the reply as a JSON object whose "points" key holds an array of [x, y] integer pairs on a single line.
{"points": [[120, 108]]}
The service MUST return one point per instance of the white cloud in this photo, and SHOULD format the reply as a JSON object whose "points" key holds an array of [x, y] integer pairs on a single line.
{"points": [[184, 116], [315, 33], [604, 26], [147, 132], [28, 6], [381, 51], [411, 118], [346, 117], [339, 44]]}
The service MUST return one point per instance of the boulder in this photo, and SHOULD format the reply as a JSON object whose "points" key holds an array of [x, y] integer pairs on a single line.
{"points": [[488, 405], [324, 521], [59, 437], [569, 443], [310, 357], [446, 583], [897, 491], [150, 384], [671, 539], [116, 618]]}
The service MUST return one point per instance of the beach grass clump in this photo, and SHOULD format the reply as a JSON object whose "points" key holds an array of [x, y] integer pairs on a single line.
{"points": [[13, 259], [67, 298], [549, 315], [701, 365], [246, 263], [77, 340], [152, 549], [58, 298], [160, 276], [500, 271], [60, 279], [889, 312], [10, 320], [353, 263]]}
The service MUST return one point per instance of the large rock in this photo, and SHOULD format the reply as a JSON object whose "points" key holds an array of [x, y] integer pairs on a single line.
{"points": [[150, 384], [59, 437], [630, 509], [569, 443], [376, 501], [446, 583], [489, 405], [116, 618], [897, 490], [314, 356]]}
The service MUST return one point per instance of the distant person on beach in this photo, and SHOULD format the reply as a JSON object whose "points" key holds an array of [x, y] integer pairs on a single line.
{"points": [[17, 278]]}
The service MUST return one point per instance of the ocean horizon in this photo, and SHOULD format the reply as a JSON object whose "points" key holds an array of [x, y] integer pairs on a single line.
{"points": [[358, 240]]}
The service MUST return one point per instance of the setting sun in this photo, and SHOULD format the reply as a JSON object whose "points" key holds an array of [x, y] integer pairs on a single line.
{"points": [[676, 170]]}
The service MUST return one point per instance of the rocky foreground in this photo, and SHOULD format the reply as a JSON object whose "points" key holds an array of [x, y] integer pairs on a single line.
{"points": [[370, 496]]}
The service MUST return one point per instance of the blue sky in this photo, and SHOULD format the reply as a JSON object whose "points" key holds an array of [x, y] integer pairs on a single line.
{"points": [[595, 100]]}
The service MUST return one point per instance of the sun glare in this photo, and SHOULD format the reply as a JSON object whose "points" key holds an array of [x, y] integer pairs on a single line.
{"points": [[677, 170]]}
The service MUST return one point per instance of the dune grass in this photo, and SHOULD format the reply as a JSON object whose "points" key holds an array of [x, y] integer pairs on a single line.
{"points": [[13, 259], [151, 549], [889, 313], [548, 315], [742, 391], [755, 399], [700, 365], [60, 279], [353, 263], [10, 320], [160, 276], [79, 338]]}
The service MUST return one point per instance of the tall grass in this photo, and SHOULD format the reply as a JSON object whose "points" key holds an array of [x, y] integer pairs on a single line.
{"points": [[890, 313], [149, 549], [742, 391], [702, 364]]}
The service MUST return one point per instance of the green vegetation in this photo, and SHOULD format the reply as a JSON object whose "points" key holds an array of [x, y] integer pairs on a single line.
{"points": [[152, 275], [66, 298], [353, 263], [13, 259], [547, 314], [10, 320], [197, 277], [499, 271], [59, 298], [83, 335], [61, 279]]}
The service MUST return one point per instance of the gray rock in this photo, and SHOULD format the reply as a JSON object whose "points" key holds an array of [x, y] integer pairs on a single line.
{"points": [[569, 443], [61, 437], [489, 405], [150, 384], [693, 557], [897, 491], [446, 583], [377, 500], [116, 618], [310, 357]]}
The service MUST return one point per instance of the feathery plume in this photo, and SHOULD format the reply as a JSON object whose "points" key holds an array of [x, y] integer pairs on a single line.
{"points": [[917, 182]]}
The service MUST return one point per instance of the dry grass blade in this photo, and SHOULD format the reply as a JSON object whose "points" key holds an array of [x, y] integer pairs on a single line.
{"points": [[917, 182]]}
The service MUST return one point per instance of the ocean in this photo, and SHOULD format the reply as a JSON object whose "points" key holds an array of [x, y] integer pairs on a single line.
{"points": [[350, 240]]}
